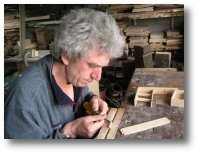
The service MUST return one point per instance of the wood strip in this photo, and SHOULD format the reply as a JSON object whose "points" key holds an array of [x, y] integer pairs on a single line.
{"points": [[105, 128], [155, 70], [37, 18], [139, 99], [113, 130], [144, 95], [144, 126], [111, 114]]}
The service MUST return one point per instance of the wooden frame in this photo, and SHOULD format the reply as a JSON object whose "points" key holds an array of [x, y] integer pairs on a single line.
{"points": [[146, 95], [162, 59]]}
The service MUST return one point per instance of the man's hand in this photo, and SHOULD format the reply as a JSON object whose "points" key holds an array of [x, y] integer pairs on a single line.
{"points": [[98, 105], [85, 127]]}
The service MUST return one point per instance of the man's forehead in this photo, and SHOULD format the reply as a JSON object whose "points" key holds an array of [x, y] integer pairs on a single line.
{"points": [[97, 59]]}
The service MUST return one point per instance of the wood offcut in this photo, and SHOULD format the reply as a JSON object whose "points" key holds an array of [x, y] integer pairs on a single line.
{"points": [[145, 126]]}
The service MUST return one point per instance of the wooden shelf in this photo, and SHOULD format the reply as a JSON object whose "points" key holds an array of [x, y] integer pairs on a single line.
{"points": [[150, 14], [19, 58]]}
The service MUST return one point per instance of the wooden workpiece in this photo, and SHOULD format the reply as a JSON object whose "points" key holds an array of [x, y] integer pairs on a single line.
{"points": [[144, 126], [174, 96], [114, 117], [105, 128]]}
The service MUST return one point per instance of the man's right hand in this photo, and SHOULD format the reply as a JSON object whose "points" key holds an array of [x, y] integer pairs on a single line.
{"points": [[85, 127]]}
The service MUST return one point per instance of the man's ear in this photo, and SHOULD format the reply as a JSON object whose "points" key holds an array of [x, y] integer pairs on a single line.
{"points": [[64, 58]]}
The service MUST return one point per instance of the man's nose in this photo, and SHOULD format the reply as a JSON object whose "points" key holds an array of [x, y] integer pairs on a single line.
{"points": [[96, 74]]}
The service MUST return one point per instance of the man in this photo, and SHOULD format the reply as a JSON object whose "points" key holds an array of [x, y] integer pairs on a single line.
{"points": [[46, 100]]}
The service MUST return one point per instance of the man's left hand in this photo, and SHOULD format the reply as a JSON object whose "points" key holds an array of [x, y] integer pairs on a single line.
{"points": [[98, 105]]}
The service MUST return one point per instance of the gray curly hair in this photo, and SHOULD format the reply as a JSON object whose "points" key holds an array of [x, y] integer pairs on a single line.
{"points": [[84, 29]]}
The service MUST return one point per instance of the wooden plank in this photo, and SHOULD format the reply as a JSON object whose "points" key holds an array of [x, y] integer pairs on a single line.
{"points": [[145, 126], [148, 60], [145, 70], [138, 6], [11, 24], [143, 9], [142, 59], [156, 35], [144, 95], [113, 130], [151, 14], [111, 114], [163, 90], [157, 40], [136, 28], [37, 18], [48, 22], [119, 7], [174, 47], [139, 99], [105, 128]]}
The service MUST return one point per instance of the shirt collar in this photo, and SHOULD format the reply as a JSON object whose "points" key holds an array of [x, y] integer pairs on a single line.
{"points": [[61, 97]]}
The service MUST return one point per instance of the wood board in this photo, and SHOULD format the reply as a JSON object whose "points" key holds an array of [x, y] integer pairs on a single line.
{"points": [[145, 126]]}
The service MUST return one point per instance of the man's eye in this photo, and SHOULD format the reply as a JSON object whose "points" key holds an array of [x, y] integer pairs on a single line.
{"points": [[92, 66]]}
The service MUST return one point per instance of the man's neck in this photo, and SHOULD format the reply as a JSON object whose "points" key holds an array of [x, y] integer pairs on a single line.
{"points": [[59, 72], [59, 75]]}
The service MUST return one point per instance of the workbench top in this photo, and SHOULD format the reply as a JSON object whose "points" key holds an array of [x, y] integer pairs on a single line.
{"points": [[153, 77]]}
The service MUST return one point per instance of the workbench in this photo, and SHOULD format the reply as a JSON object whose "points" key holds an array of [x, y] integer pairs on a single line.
{"points": [[153, 77]]}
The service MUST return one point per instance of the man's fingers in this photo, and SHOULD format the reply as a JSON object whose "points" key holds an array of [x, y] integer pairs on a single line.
{"points": [[96, 118], [95, 106], [103, 108], [98, 124]]}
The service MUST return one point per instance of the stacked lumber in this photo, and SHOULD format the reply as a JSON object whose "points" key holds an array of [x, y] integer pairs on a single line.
{"points": [[138, 35], [174, 40], [139, 46], [10, 42], [157, 41], [11, 32], [44, 37], [11, 24], [143, 7], [122, 26], [29, 45]]}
